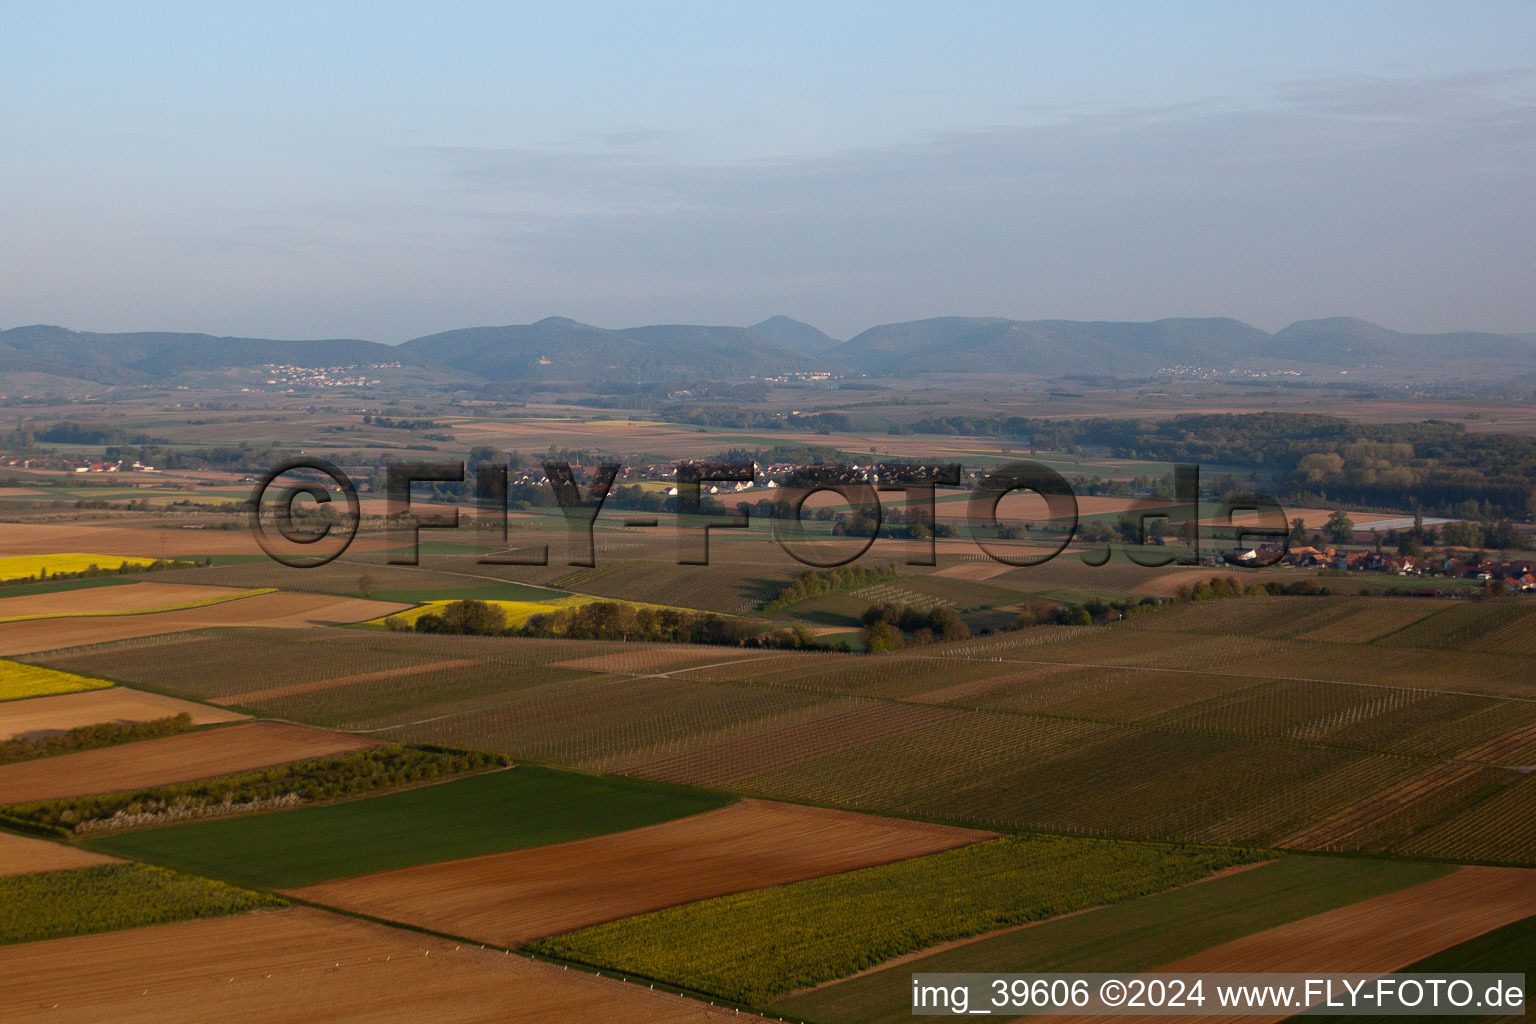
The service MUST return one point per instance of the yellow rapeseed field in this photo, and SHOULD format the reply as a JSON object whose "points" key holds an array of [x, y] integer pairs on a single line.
{"points": [[22, 567], [18, 680]]}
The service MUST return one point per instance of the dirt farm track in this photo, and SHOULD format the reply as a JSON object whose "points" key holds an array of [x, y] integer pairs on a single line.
{"points": [[299, 966]]}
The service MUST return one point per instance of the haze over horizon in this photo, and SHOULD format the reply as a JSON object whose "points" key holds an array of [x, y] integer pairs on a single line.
{"points": [[301, 172]]}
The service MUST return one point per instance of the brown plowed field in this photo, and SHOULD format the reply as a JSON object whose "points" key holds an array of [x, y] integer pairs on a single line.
{"points": [[92, 707], [197, 755], [509, 898], [132, 597], [282, 609], [302, 965], [20, 855], [273, 693], [1377, 935]]}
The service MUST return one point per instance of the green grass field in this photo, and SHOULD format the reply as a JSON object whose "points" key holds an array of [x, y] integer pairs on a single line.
{"points": [[1132, 936], [753, 946], [56, 904], [508, 810]]}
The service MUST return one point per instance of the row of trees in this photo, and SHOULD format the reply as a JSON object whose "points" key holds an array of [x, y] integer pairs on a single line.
{"points": [[614, 620]]}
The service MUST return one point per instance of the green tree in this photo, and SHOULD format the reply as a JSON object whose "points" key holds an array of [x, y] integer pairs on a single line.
{"points": [[1340, 528], [881, 636]]}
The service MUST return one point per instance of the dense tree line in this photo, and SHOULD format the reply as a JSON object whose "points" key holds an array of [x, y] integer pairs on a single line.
{"points": [[891, 624], [811, 584], [1434, 464], [327, 778], [616, 620]]}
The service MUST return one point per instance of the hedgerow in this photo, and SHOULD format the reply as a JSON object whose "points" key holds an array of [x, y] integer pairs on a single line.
{"points": [[328, 778], [89, 737]]}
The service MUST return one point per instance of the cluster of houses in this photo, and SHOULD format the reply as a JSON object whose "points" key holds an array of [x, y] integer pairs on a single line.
{"points": [[1519, 574], [74, 466]]}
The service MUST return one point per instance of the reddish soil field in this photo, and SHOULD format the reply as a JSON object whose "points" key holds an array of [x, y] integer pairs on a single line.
{"points": [[302, 965], [20, 855], [197, 755], [510, 898], [133, 597], [92, 707], [282, 609]]}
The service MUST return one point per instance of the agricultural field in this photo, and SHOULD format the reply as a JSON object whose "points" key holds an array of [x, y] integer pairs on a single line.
{"points": [[124, 599], [517, 612], [157, 762], [1501, 829], [107, 897], [1505, 950], [91, 707], [296, 783], [522, 807], [279, 967], [755, 946], [1267, 739], [23, 855], [281, 610], [19, 681], [511, 898], [1134, 935], [26, 567]]}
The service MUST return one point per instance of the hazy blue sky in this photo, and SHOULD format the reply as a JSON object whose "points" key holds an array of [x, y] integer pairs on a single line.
{"points": [[388, 170]]}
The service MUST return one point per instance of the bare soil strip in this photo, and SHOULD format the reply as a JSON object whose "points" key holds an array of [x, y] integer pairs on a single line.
{"points": [[273, 693], [92, 707], [284, 609], [20, 855], [159, 762], [302, 965], [511, 898]]}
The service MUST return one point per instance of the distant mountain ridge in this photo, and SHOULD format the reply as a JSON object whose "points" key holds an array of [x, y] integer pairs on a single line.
{"points": [[142, 357], [558, 348]]}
